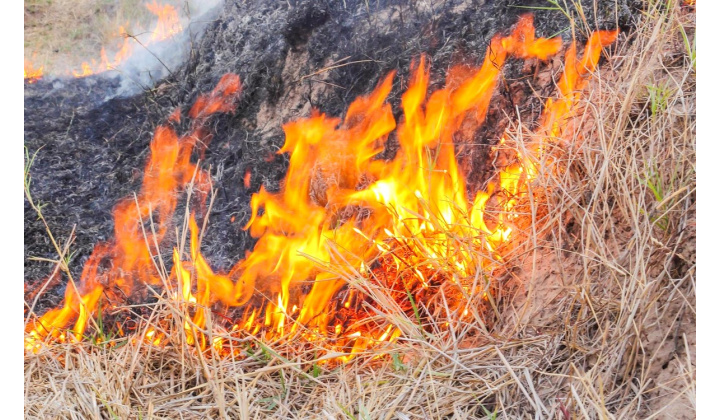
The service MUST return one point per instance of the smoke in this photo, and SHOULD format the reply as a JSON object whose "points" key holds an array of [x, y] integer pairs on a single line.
{"points": [[153, 61], [142, 55], [200, 7]]}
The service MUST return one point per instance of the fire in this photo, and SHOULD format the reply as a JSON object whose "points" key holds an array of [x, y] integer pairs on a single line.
{"points": [[167, 26], [32, 74], [343, 215], [168, 23], [130, 257], [124, 50]]}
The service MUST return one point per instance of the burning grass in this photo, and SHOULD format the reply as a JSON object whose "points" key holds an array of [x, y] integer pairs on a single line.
{"points": [[59, 33], [578, 318]]}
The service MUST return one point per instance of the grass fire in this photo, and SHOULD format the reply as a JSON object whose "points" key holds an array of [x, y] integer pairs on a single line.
{"points": [[466, 222]]}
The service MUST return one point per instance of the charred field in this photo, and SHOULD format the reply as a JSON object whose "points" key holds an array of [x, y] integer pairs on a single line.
{"points": [[571, 296]]}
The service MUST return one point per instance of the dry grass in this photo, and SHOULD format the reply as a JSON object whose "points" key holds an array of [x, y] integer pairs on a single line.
{"points": [[61, 34], [597, 317]]}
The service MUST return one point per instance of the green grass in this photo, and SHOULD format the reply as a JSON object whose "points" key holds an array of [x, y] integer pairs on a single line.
{"points": [[659, 96]]}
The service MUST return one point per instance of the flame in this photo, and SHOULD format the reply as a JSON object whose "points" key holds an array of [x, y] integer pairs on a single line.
{"points": [[124, 51], [166, 26], [129, 256], [168, 23], [411, 215], [32, 74]]}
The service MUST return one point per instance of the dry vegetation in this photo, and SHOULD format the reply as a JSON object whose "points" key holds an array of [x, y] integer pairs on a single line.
{"points": [[597, 318], [61, 34]]}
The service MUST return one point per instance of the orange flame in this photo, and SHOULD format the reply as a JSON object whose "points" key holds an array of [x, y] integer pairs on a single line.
{"points": [[32, 74], [339, 202], [167, 26], [168, 171], [124, 51], [168, 23]]}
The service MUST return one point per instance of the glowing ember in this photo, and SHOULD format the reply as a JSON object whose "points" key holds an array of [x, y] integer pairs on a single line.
{"points": [[32, 74], [344, 220]]}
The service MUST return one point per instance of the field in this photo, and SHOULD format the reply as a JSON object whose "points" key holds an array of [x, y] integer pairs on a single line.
{"points": [[598, 309]]}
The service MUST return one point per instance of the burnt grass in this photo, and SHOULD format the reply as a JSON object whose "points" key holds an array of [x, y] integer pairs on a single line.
{"points": [[92, 145]]}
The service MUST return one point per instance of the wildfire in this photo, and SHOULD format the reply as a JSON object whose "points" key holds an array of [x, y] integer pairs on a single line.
{"points": [[167, 26], [344, 220], [32, 74], [168, 171], [124, 50], [168, 23]]}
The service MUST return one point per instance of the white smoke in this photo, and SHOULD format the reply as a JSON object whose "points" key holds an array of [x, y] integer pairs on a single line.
{"points": [[153, 61]]}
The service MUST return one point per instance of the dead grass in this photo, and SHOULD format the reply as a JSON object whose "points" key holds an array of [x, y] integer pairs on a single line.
{"points": [[61, 34], [596, 318]]}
